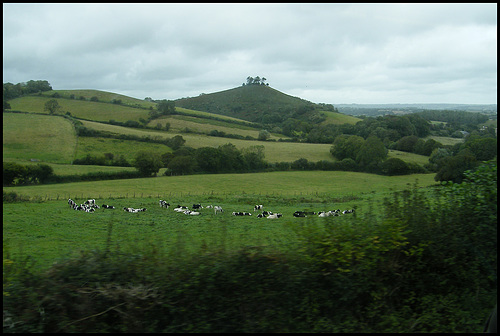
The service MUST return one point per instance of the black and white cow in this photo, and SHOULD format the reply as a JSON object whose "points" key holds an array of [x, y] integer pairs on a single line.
{"points": [[191, 213], [275, 216], [197, 207], [164, 204], [90, 202], [299, 214], [241, 213], [71, 203], [218, 209], [105, 206], [134, 210], [180, 208], [258, 207]]}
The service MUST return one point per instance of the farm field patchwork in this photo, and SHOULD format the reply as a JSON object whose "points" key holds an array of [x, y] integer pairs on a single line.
{"points": [[274, 151]]}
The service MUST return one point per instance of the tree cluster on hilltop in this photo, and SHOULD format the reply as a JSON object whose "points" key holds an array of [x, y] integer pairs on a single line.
{"points": [[256, 81]]}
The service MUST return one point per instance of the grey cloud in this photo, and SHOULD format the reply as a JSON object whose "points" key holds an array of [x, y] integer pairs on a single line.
{"points": [[327, 52]]}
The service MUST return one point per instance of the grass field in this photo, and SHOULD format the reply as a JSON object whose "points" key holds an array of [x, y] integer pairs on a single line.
{"points": [[117, 147], [82, 109], [102, 96], [274, 151], [51, 230], [44, 138], [179, 123], [293, 183], [339, 118]]}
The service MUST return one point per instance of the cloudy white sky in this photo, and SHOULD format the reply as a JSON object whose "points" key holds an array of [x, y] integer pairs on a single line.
{"points": [[325, 53]]}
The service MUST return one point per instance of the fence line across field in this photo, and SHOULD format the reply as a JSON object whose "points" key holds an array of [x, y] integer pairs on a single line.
{"points": [[80, 196]]}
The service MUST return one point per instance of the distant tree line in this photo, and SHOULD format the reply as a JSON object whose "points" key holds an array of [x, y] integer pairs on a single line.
{"points": [[11, 91]]}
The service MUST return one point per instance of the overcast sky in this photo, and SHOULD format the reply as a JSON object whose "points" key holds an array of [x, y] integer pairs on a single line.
{"points": [[325, 53]]}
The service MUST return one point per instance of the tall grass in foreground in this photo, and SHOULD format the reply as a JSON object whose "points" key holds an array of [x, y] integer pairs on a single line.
{"points": [[423, 266]]}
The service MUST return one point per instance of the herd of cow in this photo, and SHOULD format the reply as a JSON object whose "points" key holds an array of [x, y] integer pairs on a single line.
{"points": [[90, 206]]}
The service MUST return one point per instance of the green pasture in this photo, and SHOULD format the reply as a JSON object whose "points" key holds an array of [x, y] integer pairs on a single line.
{"points": [[447, 141], [209, 115], [274, 151], [408, 157], [339, 118], [292, 183], [117, 147], [44, 138], [81, 109], [179, 123], [102, 96], [49, 230]]}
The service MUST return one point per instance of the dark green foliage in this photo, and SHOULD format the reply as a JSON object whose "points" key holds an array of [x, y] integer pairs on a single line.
{"points": [[452, 168], [11, 91], [394, 166], [148, 163], [17, 174]]}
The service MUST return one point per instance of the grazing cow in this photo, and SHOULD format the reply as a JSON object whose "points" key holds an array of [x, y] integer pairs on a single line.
{"points": [[258, 207], [197, 206], [218, 209], [164, 204]]}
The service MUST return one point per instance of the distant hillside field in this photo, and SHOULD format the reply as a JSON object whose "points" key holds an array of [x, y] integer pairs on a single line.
{"points": [[179, 123], [248, 102], [118, 147], [44, 138], [102, 96], [274, 151], [339, 118], [81, 109]]}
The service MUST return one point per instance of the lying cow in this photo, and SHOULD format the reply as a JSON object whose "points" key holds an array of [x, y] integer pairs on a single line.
{"points": [[240, 213], [134, 210]]}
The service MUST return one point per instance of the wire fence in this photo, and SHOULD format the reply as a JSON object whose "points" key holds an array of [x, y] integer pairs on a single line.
{"points": [[175, 195]]}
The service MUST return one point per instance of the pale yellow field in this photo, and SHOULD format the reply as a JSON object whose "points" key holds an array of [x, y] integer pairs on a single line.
{"points": [[38, 137]]}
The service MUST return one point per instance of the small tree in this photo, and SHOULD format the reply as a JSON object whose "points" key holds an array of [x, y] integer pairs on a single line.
{"points": [[52, 106], [264, 135], [148, 163]]}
